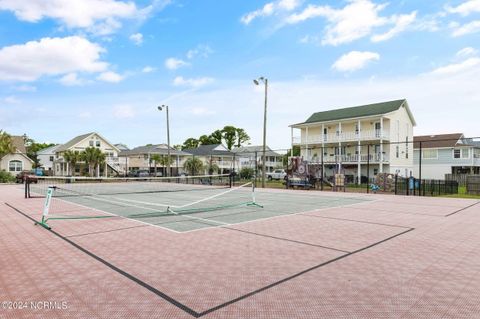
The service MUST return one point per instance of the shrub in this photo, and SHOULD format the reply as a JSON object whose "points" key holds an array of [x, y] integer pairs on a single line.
{"points": [[6, 177], [247, 173]]}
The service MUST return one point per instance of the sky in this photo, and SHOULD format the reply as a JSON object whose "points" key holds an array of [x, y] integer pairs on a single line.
{"points": [[73, 67]]}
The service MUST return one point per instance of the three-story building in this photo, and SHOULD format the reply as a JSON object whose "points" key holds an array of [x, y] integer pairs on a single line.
{"points": [[349, 140]]}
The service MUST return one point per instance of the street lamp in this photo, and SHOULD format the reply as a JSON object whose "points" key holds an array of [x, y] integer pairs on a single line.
{"points": [[160, 108], [257, 82]]}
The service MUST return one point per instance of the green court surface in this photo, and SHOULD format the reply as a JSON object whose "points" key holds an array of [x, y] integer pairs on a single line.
{"points": [[193, 209]]}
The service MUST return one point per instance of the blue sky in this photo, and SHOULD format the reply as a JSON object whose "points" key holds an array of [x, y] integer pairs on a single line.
{"points": [[71, 67]]}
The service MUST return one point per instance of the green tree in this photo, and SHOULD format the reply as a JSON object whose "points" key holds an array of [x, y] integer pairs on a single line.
{"points": [[242, 137], [156, 159], [72, 158], [247, 173], [229, 135], [216, 137], [205, 140], [190, 143], [93, 157], [193, 166], [6, 144]]}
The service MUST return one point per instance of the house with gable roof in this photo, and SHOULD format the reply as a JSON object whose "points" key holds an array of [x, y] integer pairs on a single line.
{"points": [[349, 140], [80, 143]]}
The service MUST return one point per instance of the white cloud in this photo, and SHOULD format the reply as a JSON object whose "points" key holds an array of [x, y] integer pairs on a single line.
{"points": [[201, 111], [98, 16], [193, 82], [456, 68], [356, 20], [50, 56], [269, 9], [355, 60], [467, 52], [174, 63], [148, 69], [289, 4], [468, 28], [466, 8], [266, 11], [136, 38], [25, 88], [110, 76], [71, 79], [123, 111], [11, 100], [201, 50], [401, 24]]}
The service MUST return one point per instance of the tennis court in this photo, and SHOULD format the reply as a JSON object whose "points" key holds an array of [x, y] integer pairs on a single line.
{"points": [[177, 205], [294, 254]]}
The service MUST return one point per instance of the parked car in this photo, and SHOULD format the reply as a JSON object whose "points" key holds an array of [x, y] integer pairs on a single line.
{"points": [[277, 174], [139, 173], [22, 176]]}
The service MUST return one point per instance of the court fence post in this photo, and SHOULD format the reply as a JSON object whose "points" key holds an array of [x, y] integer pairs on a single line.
{"points": [[323, 171], [368, 168]]}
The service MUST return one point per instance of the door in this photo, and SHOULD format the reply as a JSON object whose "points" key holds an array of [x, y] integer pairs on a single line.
{"points": [[378, 128]]}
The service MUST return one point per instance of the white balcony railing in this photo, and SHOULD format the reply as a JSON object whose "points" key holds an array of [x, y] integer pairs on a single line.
{"points": [[343, 137], [364, 158]]}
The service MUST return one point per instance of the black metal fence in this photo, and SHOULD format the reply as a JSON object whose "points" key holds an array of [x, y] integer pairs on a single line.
{"points": [[424, 187], [473, 185]]}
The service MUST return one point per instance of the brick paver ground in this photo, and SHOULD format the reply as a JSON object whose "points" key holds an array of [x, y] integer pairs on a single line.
{"points": [[393, 257]]}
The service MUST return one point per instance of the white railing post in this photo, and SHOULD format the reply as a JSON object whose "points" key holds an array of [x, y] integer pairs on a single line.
{"points": [[381, 145]]}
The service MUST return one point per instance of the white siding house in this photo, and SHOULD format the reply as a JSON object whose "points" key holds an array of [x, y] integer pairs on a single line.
{"points": [[445, 154], [47, 156], [347, 139]]}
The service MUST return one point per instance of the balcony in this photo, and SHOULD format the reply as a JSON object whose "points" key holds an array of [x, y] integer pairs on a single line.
{"points": [[342, 137], [345, 159]]}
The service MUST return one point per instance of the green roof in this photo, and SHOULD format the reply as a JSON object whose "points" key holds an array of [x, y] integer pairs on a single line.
{"points": [[356, 111]]}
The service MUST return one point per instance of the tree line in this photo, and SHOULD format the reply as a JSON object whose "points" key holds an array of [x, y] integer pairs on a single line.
{"points": [[231, 136]]}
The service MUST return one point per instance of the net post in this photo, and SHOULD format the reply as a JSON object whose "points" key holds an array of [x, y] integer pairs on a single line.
{"points": [[254, 201], [46, 208], [27, 193]]}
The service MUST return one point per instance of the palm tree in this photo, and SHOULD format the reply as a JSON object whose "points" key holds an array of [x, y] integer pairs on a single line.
{"points": [[6, 144], [156, 158], [93, 157], [193, 165], [165, 162], [72, 158]]}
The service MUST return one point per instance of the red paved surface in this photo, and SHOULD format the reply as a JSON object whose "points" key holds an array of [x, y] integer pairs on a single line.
{"points": [[396, 257]]}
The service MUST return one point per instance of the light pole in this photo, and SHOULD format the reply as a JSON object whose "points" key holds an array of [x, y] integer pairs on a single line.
{"points": [[257, 82], [160, 108]]}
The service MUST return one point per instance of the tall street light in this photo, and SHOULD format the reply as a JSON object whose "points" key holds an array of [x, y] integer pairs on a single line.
{"points": [[257, 82], [160, 108]]}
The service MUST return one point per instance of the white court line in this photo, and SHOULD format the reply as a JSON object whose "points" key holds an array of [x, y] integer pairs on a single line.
{"points": [[186, 205], [283, 215], [113, 214]]}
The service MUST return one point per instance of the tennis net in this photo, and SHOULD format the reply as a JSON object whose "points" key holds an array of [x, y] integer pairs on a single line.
{"points": [[87, 186], [198, 207]]}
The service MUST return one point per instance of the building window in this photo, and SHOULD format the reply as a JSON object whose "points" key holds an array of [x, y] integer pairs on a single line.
{"points": [[397, 151], [51, 158], [476, 153], [430, 154], [406, 147], [15, 166], [98, 144], [462, 153]]}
